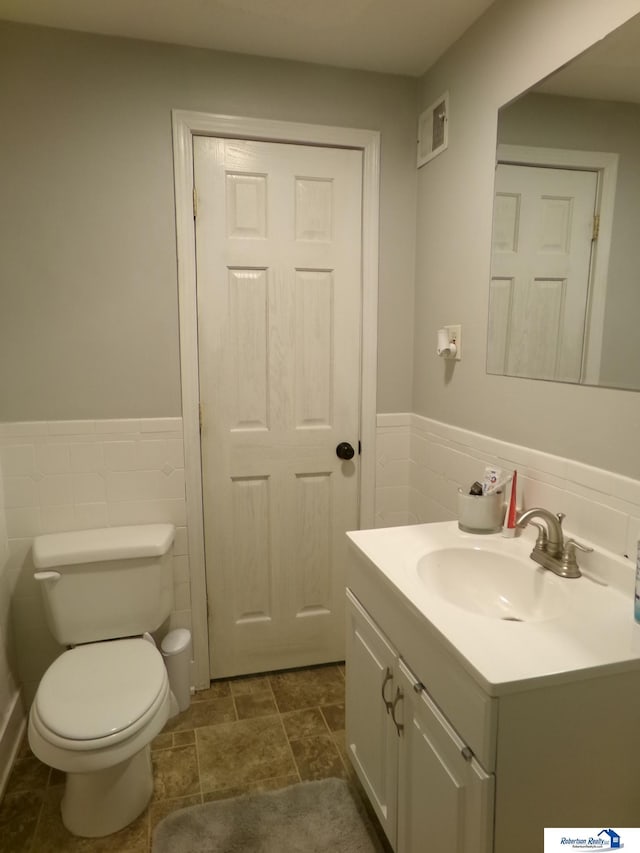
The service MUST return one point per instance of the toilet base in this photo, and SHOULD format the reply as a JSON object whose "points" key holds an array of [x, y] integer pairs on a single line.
{"points": [[104, 801]]}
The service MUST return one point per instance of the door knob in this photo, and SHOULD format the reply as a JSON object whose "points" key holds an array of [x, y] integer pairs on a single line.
{"points": [[345, 451]]}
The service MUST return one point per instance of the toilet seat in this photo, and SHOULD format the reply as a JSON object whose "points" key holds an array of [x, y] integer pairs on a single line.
{"points": [[98, 695]]}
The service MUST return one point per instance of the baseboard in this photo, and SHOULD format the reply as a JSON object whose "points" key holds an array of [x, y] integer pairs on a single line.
{"points": [[11, 739]]}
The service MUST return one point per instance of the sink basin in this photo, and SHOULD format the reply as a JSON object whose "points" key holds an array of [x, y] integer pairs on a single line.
{"points": [[492, 584], [468, 590]]}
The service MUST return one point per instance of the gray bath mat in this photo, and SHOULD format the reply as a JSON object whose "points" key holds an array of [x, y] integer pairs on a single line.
{"points": [[312, 817]]}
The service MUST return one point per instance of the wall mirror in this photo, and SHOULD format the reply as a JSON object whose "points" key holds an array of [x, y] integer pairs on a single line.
{"points": [[565, 257]]}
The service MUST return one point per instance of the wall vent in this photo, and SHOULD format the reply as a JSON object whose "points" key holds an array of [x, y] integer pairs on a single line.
{"points": [[433, 130]]}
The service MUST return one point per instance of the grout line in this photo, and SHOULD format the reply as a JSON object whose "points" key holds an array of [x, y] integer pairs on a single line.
{"points": [[149, 823], [273, 693], [32, 844], [293, 758], [324, 720], [195, 741], [235, 708], [197, 751]]}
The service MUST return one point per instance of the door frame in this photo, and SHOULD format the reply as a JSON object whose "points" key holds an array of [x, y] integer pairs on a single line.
{"points": [[185, 125], [605, 164]]}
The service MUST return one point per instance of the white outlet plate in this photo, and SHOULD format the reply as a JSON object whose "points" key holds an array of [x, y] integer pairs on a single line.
{"points": [[455, 334]]}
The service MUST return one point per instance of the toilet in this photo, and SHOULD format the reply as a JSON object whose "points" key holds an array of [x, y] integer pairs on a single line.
{"points": [[101, 702]]}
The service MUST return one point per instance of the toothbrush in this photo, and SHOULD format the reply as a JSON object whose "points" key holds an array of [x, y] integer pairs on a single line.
{"points": [[509, 527]]}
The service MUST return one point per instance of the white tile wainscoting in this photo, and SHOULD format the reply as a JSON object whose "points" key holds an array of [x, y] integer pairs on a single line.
{"points": [[421, 463], [70, 475], [79, 474]]}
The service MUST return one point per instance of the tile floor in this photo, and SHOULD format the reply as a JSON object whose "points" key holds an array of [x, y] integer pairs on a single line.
{"points": [[240, 735]]}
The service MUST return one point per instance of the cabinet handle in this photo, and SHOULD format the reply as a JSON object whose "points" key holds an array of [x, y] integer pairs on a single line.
{"points": [[467, 753], [388, 676], [399, 726]]}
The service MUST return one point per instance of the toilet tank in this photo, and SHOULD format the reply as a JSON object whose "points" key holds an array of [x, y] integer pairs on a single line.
{"points": [[105, 583]]}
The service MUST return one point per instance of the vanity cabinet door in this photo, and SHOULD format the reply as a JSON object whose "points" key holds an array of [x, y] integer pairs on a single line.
{"points": [[444, 795], [372, 738]]}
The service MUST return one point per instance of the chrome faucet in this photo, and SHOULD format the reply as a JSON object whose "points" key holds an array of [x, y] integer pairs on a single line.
{"points": [[551, 550]]}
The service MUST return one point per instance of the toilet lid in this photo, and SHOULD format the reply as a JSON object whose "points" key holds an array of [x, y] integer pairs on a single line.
{"points": [[96, 690]]}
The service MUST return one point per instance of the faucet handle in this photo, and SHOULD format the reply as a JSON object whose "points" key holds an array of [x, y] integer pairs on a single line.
{"points": [[569, 555], [561, 517], [541, 540]]}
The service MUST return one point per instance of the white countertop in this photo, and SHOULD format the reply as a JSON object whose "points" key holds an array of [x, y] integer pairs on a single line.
{"points": [[595, 629]]}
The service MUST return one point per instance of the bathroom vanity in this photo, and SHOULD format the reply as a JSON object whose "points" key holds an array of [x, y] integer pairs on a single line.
{"points": [[486, 698]]}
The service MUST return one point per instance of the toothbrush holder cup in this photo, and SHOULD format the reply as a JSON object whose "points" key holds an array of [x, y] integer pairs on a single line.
{"points": [[480, 513]]}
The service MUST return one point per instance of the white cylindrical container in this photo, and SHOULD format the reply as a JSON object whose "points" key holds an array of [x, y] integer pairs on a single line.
{"points": [[176, 651], [480, 513]]}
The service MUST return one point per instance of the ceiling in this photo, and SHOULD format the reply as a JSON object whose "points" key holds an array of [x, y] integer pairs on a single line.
{"points": [[610, 70], [393, 36]]}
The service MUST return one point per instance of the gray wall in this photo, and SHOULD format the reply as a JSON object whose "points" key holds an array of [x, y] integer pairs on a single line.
{"points": [[496, 60], [587, 125], [89, 319]]}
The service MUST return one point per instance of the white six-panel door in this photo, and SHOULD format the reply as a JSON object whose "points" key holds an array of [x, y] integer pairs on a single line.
{"points": [[541, 256], [278, 246]]}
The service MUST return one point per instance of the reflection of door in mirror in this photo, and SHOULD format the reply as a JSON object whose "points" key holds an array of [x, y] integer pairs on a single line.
{"points": [[541, 256], [587, 116]]}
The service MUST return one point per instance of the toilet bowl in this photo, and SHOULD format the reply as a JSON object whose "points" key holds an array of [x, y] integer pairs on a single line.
{"points": [[95, 713], [101, 703]]}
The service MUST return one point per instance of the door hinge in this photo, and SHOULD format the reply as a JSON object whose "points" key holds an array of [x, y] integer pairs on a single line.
{"points": [[195, 203], [596, 226], [200, 416]]}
